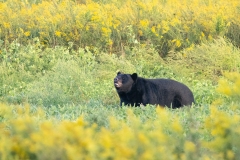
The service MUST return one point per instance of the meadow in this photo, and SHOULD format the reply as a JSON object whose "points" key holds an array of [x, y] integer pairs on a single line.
{"points": [[57, 64]]}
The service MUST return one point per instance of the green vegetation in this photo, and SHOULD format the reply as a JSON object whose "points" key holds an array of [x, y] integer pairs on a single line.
{"points": [[57, 95], [59, 76], [62, 84]]}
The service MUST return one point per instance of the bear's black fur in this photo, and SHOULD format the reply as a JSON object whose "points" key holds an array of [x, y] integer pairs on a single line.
{"points": [[134, 90]]}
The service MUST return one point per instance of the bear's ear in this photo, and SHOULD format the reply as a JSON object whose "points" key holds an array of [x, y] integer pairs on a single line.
{"points": [[119, 73], [134, 76]]}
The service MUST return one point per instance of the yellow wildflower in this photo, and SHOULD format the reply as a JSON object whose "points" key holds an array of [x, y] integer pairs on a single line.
{"points": [[58, 33], [153, 29], [87, 28], [142, 138], [80, 121], [224, 87], [27, 34], [176, 126], [6, 25], [210, 37], [230, 154], [106, 31], [144, 23], [189, 146], [147, 155], [110, 42], [178, 43]]}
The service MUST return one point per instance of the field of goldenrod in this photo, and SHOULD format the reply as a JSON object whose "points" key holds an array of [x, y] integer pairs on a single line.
{"points": [[112, 25], [60, 57], [197, 133], [27, 135]]}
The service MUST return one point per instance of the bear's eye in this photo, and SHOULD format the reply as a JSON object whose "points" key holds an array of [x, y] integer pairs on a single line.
{"points": [[124, 78]]}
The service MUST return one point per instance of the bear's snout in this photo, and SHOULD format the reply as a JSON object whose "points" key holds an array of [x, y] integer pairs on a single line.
{"points": [[117, 82]]}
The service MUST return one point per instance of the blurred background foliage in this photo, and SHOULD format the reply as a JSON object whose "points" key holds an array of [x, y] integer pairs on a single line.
{"points": [[112, 25]]}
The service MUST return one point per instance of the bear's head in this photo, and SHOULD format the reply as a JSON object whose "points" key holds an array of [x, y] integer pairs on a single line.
{"points": [[124, 82]]}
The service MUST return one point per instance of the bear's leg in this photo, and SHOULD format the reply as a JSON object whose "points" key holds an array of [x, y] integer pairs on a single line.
{"points": [[176, 103]]}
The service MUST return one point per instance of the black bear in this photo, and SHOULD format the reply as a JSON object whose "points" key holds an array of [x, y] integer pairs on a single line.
{"points": [[134, 91]]}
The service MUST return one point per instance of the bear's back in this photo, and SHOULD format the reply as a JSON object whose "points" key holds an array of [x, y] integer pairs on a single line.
{"points": [[171, 88]]}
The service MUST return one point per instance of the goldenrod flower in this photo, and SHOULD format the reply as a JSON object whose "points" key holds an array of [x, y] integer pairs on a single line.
{"points": [[153, 29], [176, 126], [106, 31], [144, 23], [27, 34], [6, 25], [178, 43], [58, 33], [189, 146], [230, 154]]}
